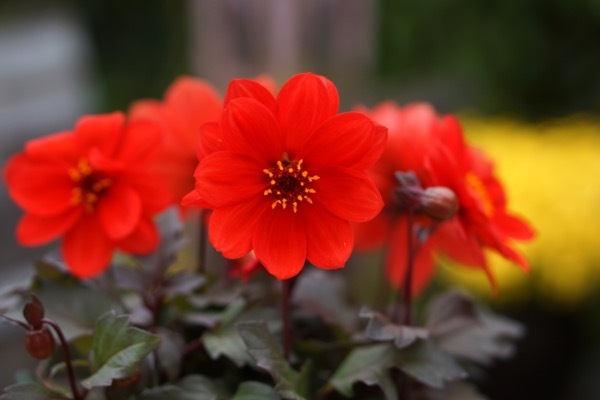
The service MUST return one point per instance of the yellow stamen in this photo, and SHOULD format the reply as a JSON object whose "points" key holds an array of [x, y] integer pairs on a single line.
{"points": [[289, 182]]}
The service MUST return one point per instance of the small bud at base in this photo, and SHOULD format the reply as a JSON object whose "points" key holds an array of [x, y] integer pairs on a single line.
{"points": [[40, 343], [439, 203]]}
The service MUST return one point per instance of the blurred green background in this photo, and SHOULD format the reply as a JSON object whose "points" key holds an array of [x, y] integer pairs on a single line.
{"points": [[522, 74]]}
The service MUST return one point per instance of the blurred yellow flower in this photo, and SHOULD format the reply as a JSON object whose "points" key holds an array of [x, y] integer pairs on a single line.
{"points": [[551, 173]]}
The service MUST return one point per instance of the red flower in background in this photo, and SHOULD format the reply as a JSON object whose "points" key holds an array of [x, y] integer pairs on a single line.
{"points": [[433, 148], [91, 186], [483, 220], [288, 175], [188, 103]]}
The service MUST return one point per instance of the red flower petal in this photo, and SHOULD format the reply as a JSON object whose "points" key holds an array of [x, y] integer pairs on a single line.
{"points": [[332, 93], [87, 251], [225, 178], [423, 265], [59, 147], [330, 239], [100, 131], [373, 233], [34, 230], [249, 127], [139, 141], [210, 140], [515, 227], [193, 199], [154, 194], [348, 140], [142, 240], [192, 102], [231, 228], [119, 211], [279, 243], [44, 189], [247, 88], [347, 194], [460, 244], [304, 103]]}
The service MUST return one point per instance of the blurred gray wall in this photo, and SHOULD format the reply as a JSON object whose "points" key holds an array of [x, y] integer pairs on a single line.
{"points": [[240, 38], [45, 85]]}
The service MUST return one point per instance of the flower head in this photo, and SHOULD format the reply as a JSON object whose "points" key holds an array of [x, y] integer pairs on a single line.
{"points": [[92, 187], [434, 149], [188, 103], [288, 175]]}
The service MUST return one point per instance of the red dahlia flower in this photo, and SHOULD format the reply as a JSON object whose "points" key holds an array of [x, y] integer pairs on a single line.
{"points": [[91, 186], [288, 175], [187, 104], [483, 220], [434, 149]]}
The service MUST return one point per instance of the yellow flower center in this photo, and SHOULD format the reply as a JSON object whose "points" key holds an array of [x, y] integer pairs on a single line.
{"points": [[289, 184], [89, 185], [481, 192]]}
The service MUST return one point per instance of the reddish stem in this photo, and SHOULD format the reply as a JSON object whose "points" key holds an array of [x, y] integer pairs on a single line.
{"points": [[285, 316], [408, 277], [68, 359], [20, 323], [200, 266]]}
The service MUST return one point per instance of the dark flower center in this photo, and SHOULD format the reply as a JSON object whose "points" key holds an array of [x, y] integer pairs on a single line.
{"points": [[89, 185], [289, 183]]}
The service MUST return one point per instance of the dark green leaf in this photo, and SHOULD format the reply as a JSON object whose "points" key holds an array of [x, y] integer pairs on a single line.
{"points": [[29, 391], [192, 387], [369, 365], [467, 330], [424, 362], [170, 352], [213, 318], [255, 391], [265, 350], [323, 294], [73, 305], [379, 328], [182, 283], [117, 350], [453, 391], [50, 269], [227, 342], [449, 312]]}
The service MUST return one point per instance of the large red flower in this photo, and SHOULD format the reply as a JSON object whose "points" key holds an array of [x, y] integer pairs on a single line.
{"points": [[433, 148], [287, 175], [92, 187], [188, 103]]}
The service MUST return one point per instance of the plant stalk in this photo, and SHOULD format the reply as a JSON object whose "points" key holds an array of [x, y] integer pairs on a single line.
{"points": [[285, 316], [68, 359], [408, 277], [201, 260]]}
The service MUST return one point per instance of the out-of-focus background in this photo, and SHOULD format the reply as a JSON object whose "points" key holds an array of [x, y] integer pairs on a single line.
{"points": [[522, 76]]}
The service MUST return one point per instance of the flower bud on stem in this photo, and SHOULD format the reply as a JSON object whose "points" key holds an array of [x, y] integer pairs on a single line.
{"points": [[39, 341]]}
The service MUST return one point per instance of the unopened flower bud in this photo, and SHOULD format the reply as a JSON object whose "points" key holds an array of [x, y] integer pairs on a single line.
{"points": [[40, 343], [439, 203], [34, 313]]}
